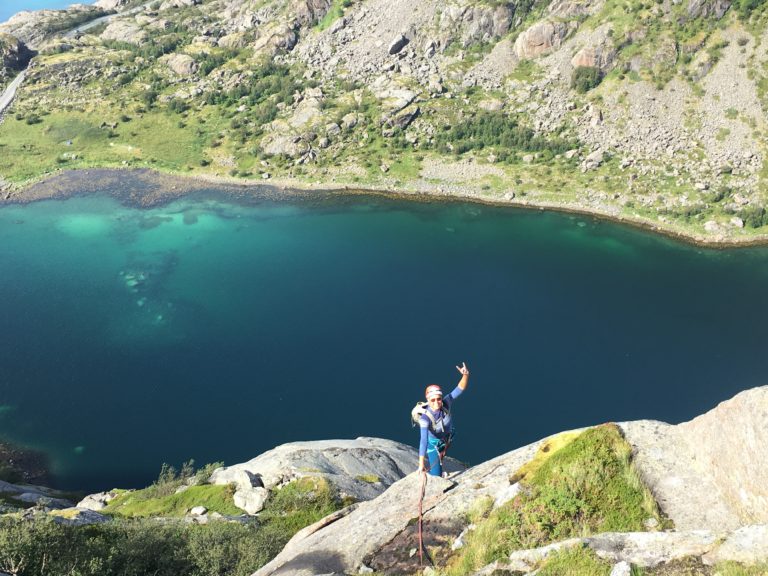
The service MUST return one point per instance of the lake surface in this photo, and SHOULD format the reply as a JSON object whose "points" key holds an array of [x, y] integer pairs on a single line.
{"points": [[212, 330], [10, 7]]}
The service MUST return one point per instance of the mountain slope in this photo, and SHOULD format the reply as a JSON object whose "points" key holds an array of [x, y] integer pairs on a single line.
{"points": [[647, 111]]}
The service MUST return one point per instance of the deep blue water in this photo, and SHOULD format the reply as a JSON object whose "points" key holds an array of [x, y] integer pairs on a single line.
{"points": [[10, 7], [215, 331]]}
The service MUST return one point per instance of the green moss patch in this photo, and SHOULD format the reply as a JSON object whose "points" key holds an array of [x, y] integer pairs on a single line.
{"points": [[140, 504], [576, 562], [370, 478]]}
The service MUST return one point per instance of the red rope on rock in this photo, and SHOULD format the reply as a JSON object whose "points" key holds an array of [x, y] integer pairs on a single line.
{"points": [[422, 491]]}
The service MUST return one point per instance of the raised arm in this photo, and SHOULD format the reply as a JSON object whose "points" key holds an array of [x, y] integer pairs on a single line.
{"points": [[464, 371]]}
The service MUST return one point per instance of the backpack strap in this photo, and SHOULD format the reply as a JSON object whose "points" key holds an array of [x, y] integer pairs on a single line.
{"points": [[435, 421]]}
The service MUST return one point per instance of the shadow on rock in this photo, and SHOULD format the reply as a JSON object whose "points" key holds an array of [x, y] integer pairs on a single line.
{"points": [[401, 554], [320, 562]]}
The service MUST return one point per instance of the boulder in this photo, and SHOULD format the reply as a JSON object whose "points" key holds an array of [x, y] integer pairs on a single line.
{"points": [[541, 38], [308, 114], [234, 40], [332, 129], [282, 142], [181, 64], [393, 97], [349, 121], [404, 119], [96, 501], [124, 31], [275, 38], [252, 500], [600, 56], [712, 227], [241, 478], [308, 12], [398, 44]]}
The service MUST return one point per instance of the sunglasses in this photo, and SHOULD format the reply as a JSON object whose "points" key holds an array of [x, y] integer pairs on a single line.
{"points": [[436, 399]]}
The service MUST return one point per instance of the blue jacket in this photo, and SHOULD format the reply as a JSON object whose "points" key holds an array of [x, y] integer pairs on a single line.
{"points": [[443, 426]]}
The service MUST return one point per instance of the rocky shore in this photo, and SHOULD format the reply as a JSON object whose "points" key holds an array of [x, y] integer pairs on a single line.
{"points": [[23, 464], [145, 188]]}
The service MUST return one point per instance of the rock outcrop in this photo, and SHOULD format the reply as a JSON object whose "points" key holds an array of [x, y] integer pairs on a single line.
{"points": [[685, 467], [124, 31], [14, 54], [715, 460], [181, 64], [361, 469], [20, 495], [541, 38], [309, 12], [35, 28], [111, 4]]}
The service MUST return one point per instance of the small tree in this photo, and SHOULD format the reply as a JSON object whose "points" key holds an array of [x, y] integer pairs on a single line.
{"points": [[584, 78]]}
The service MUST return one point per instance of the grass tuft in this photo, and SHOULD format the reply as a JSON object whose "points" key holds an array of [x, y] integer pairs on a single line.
{"points": [[141, 503]]}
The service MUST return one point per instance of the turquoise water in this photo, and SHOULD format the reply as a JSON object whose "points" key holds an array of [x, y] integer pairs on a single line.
{"points": [[212, 330], [10, 7]]}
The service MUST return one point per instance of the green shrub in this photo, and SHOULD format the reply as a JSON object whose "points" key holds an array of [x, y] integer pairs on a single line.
{"points": [[139, 547], [178, 105], [754, 216], [746, 7], [209, 62], [575, 562], [584, 78], [498, 130]]}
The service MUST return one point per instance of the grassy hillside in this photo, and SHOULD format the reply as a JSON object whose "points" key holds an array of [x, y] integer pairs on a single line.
{"points": [[629, 113]]}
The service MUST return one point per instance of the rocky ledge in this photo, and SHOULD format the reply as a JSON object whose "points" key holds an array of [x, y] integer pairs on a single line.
{"points": [[708, 476], [359, 469]]}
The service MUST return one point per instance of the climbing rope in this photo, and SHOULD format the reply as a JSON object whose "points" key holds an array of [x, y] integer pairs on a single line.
{"points": [[422, 491], [421, 516]]}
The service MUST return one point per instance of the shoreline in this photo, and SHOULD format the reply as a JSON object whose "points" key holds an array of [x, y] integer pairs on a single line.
{"points": [[22, 464], [170, 186]]}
